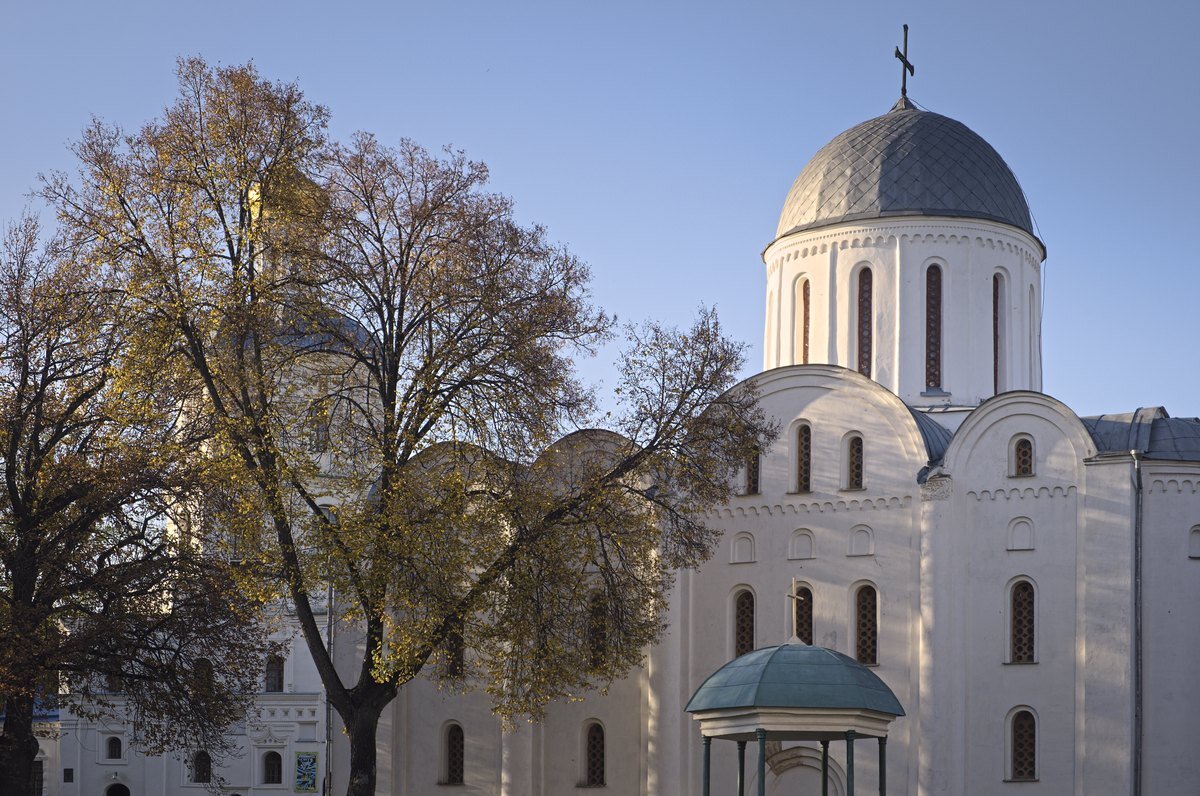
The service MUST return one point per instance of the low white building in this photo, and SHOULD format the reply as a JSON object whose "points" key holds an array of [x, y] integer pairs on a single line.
{"points": [[1023, 579], [282, 744]]}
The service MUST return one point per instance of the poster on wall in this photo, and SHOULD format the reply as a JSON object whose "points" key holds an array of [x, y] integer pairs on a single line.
{"points": [[306, 772]]}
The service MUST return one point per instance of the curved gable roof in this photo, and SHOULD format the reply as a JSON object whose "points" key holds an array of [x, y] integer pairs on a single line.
{"points": [[1149, 431]]}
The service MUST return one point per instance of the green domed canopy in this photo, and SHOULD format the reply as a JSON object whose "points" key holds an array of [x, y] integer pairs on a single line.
{"points": [[794, 676], [794, 692]]}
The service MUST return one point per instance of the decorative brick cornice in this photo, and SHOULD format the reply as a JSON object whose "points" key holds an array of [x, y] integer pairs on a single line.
{"points": [[1022, 493], [812, 507]]}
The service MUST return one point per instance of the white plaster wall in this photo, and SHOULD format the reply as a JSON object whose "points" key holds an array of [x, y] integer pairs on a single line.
{"points": [[1104, 751], [529, 760], [835, 402], [1171, 643], [974, 687], [898, 251], [48, 754]]}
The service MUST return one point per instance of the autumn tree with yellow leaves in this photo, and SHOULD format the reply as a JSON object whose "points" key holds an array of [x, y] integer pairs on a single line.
{"points": [[104, 605], [386, 357]]}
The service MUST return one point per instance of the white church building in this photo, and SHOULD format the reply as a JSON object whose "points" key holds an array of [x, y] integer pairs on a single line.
{"points": [[1023, 579]]}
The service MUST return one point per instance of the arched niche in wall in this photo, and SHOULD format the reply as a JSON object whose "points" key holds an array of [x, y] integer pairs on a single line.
{"points": [[1020, 534], [862, 541], [742, 549], [802, 545]]}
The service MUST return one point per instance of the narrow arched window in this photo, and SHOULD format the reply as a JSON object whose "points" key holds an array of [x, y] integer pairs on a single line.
{"points": [[455, 648], [752, 475], [1022, 458], [594, 757], [802, 605], [866, 626], [802, 303], [318, 427], [456, 751], [1022, 615], [997, 332], [743, 623], [597, 631], [1024, 746], [865, 330], [854, 462], [112, 749], [273, 680], [272, 768], [804, 458], [201, 767], [933, 328]]}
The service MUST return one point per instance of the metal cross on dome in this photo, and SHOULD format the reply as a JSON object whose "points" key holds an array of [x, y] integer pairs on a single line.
{"points": [[906, 67]]}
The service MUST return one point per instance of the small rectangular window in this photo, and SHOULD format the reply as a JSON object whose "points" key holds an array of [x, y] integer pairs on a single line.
{"points": [[854, 463], [804, 459], [68, 775], [752, 476]]}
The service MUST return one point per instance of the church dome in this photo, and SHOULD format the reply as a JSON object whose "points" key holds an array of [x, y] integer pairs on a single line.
{"points": [[907, 162]]}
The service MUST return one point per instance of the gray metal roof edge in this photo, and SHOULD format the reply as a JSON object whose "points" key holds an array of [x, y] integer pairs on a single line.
{"points": [[923, 213], [1124, 431], [936, 436]]}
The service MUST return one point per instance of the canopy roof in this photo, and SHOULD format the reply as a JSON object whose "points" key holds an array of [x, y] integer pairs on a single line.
{"points": [[795, 676]]}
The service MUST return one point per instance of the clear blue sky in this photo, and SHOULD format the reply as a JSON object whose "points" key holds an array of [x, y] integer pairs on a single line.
{"points": [[658, 140]]}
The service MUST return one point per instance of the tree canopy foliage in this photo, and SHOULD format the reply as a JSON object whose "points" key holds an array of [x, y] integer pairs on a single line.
{"points": [[367, 327], [99, 591]]}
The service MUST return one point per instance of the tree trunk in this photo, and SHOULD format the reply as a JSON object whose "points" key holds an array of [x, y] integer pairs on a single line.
{"points": [[361, 728], [18, 747]]}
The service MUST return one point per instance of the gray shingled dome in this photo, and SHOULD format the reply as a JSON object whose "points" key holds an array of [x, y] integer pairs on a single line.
{"points": [[794, 676], [906, 162]]}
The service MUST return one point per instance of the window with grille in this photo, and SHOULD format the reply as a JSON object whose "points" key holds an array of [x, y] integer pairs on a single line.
{"points": [[854, 463], [1022, 622], [597, 631], [1022, 464], [274, 675], [864, 322], [933, 328], [112, 749], [37, 778], [1024, 746], [456, 750], [752, 476], [866, 627], [803, 606], [594, 775], [804, 458], [272, 769], [202, 767], [743, 624], [804, 300]]}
